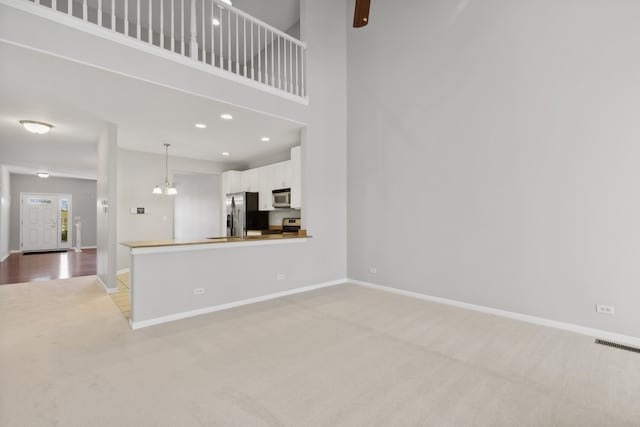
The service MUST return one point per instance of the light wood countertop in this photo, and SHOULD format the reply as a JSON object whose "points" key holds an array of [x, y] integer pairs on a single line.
{"points": [[160, 243]]}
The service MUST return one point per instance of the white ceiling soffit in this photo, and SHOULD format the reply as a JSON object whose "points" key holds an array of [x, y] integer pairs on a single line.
{"points": [[78, 100], [27, 170]]}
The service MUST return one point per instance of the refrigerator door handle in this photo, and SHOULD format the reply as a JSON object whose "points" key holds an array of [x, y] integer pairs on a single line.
{"points": [[233, 213]]}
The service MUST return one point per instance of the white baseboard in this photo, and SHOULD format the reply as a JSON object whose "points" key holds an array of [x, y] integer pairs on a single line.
{"points": [[107, 289], [124, 270], [212, 309], [5, 257], [15, 252], [582, 330], [87, 247]]}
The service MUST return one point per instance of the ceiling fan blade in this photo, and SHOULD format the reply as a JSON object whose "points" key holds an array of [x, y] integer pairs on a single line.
{"points": [[361, 14]]}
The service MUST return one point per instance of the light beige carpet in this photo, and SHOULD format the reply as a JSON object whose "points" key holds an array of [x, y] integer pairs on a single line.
{"points": [[341, 356]]}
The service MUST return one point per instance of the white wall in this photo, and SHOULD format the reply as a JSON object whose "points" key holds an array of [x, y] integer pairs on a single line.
{"points": [[138, 174], [107, 204], [493, 155], [197, 206], [5, 205], [324, 141]]}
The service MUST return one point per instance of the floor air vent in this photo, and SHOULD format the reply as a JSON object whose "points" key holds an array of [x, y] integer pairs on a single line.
{"points": [[618, 346]]}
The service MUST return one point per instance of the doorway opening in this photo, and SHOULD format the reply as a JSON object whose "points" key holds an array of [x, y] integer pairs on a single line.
{"points": [[52, 228], [44, 222]]}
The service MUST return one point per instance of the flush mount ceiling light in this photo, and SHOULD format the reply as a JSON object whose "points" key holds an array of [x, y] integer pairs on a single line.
{"points": [[215, 22], [226, 116], [265, 139], [36, 127], [43, 174], [167, 187], [201, 126], [226, 153]]}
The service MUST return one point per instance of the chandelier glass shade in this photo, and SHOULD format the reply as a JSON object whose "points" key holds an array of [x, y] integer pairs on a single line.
{"points": [[167, 187]]}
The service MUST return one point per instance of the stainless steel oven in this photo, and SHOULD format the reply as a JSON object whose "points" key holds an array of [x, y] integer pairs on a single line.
{"points": [[291, 224], [282, 198]]}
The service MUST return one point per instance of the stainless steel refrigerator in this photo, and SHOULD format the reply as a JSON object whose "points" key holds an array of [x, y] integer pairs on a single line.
{"points": [[243, 214]]}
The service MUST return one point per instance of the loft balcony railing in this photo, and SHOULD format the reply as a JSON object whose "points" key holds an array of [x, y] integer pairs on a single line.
{"points": [[210, 32]]}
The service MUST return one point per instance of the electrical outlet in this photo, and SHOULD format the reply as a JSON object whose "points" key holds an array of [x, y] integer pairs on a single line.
{"points": [[281, 276], [605, 309], [373, 270], [198, 291]]}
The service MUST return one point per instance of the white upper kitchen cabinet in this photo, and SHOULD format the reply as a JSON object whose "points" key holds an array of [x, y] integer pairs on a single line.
{"points": [[249, 181], [282, 175], [265, 180], [296, 177], [286, 174], [231, 182]]}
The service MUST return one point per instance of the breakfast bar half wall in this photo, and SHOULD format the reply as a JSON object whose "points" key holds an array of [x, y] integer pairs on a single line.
{"points": [[173, 280]]}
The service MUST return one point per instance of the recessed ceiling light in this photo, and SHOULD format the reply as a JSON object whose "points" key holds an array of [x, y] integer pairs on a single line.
{"points": [[265, 139], [226, 153], [201, 126], [215, 22], [43, 174], [36, 127], [226, 116]]}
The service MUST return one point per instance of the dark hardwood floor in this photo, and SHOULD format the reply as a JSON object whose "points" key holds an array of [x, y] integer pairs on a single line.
{"points": [[19, 268]]}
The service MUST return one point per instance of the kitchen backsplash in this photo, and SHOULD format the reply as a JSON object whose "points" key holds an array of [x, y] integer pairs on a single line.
{"points": [[275, 217]]}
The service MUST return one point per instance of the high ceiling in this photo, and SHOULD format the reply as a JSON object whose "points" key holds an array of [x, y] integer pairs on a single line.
{"points": [[79, 100]]}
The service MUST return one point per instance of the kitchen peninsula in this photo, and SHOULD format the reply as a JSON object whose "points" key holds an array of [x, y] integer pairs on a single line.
{"points": [[164, 243], [172, 279]]}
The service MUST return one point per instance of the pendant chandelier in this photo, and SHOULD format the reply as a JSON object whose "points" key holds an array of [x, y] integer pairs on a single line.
{"points": [[167, 187]]}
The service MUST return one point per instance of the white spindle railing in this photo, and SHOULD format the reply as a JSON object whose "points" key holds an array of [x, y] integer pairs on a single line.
{"points": [[182, 26], [207, 31], [193, 29], [138, 24]]}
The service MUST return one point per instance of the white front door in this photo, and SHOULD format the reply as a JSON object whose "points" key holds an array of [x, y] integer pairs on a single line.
{"points": [[45, 221]]}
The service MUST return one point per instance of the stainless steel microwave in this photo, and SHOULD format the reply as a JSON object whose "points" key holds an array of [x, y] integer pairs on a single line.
{"points": [[282, 198]]}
